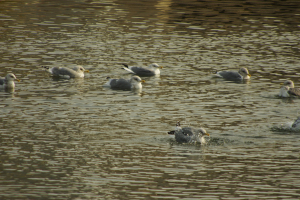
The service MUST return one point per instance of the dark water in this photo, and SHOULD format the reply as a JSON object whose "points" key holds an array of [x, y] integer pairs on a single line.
{"points": [[74, 139]]}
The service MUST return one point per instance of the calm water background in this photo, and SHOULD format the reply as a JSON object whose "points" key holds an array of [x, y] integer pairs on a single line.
{"points": [[74, 139]]}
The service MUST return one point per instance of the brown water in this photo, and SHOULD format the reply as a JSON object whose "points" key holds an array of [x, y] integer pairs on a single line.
{"points": [[74, 139]]}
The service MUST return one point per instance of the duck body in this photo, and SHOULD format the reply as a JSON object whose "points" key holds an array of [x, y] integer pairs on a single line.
{"points": [[152, 70]]}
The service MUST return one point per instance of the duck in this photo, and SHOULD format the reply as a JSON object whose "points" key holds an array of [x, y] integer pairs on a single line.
{"points": [[242, 74], [76, 72], [9, 81], [152, 70], [134, 83], [288, 89], [189, 134]]}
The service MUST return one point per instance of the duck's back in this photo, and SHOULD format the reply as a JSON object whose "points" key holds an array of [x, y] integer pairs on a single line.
{"points": [[230, 75], [121, 84], [185, 135]]}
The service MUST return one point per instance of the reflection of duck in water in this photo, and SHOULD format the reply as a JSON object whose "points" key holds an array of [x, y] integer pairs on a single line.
{"points": [[288, 89], [76, 72], [135, 83], [8, 81], [152, 70], [189, 134], [242, 74]]}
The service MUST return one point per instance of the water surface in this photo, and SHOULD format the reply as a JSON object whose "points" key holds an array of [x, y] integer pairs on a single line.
{"points": [[74, 139]]}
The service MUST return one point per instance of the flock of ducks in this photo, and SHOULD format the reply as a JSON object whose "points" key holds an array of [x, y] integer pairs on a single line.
{"points": [[135, 82], [182, 135]]}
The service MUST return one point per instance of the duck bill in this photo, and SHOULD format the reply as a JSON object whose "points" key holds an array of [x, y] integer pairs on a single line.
{"points": [[207, 134], [161, 67], [86, 71], [249, 75], [18, 80], [143, 81]]}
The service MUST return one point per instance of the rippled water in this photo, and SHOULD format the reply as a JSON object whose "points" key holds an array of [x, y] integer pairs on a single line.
{"points": [[74, 139]]}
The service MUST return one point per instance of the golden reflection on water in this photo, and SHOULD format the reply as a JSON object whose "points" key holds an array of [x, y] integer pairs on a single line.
{"points": [[163, 7]]}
